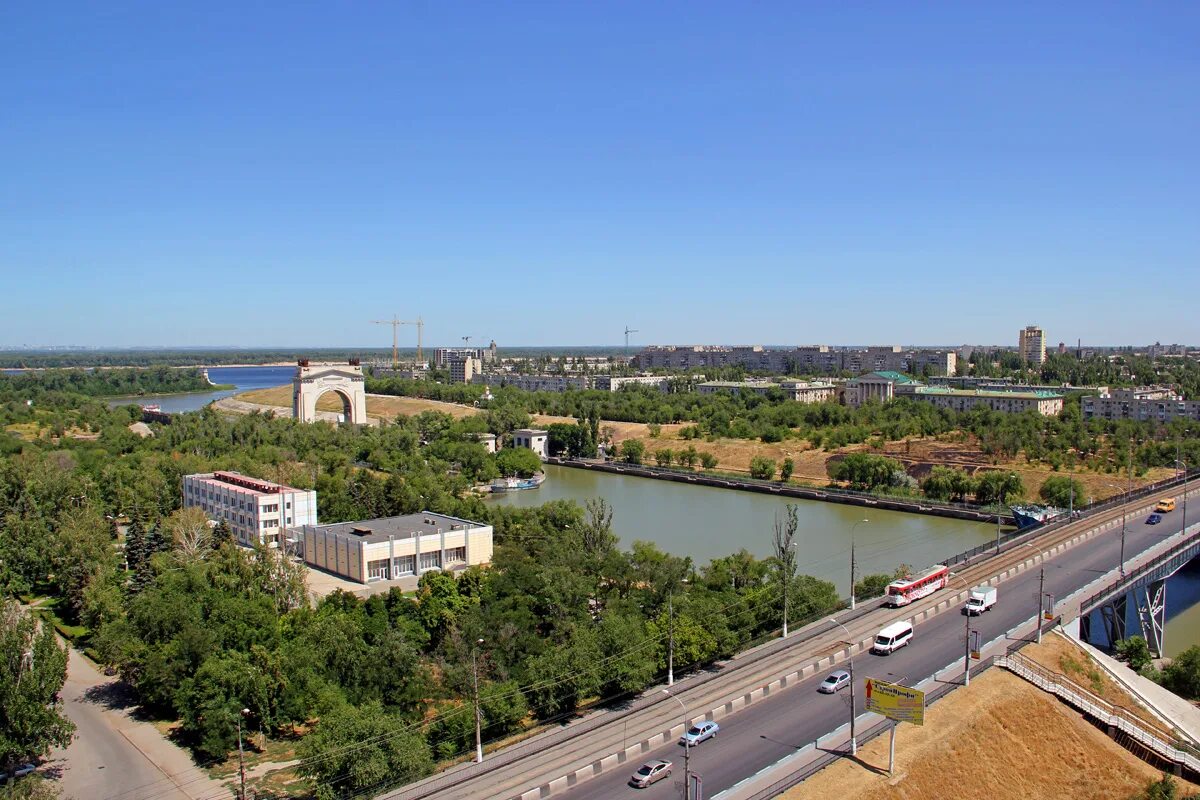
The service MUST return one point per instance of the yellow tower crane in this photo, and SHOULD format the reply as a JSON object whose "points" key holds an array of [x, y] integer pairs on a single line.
{"points": [[396, 322]]}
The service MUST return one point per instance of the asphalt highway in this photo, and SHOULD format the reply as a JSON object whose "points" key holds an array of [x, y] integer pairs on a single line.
{"points": [[775, 727]]}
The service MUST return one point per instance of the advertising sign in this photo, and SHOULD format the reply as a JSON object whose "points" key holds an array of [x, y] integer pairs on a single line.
{"points": [[895, 701]]}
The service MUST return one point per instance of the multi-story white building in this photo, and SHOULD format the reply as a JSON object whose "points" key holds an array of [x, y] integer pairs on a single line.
{"points": [[608, 383], [1031, 343], [806, 360], [1158, 403], [535, 383], [396, 547], [255, 510], [808, 391], [1048, 404], [879, 387]]}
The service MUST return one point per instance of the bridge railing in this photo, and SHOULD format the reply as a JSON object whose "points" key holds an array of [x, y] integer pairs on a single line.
{"points": [[1183, 552], [1173, 750]]}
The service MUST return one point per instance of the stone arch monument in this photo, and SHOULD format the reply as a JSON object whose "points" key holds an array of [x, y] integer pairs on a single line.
{"points": [[314, 380]]}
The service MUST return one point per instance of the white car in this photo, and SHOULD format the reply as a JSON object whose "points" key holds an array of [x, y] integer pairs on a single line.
{"points": [[835, 681], [651, 772]]}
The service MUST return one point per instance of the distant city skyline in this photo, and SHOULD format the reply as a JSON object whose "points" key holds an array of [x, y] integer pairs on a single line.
{"points": [[547, 174]]}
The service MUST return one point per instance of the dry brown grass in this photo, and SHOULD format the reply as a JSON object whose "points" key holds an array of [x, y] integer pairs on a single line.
{"points": [[1002, 739], [384, 406]]}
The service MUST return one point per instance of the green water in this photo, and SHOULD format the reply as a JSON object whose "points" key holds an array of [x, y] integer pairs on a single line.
{"points": [[705, 522]]}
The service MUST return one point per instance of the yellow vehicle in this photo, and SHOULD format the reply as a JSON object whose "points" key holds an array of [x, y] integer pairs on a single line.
{"points": [[1165, 505]]}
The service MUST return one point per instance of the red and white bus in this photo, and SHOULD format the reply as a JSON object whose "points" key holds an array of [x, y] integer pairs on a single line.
{"points": [[903, 592]]}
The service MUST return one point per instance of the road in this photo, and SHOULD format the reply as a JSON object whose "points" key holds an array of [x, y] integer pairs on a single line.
{"points": [[116, 757], [768, 731]]}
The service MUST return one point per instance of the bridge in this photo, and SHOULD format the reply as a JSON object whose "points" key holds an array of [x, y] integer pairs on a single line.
{"points": [[765, 699], [1138, 596]]}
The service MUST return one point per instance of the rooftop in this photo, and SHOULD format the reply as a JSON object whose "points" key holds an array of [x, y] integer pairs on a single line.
{"points": [[404, 527], [244, 482], [1037, 394]]}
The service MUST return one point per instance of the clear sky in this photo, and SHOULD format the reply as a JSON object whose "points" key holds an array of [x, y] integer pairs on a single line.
{"points": [[547, 173]]}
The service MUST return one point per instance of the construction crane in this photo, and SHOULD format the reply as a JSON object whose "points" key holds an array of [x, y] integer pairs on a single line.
{"points": [[396, 322], [628, 330], [467, 342]]}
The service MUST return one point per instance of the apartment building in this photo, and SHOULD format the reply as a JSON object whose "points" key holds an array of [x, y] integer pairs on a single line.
{"points": [[806, 360], [255, 510], [1031, 344], [1046, 403], [464, 369], [1146, 403], [610, 383], [536, 383], [396, 547]]}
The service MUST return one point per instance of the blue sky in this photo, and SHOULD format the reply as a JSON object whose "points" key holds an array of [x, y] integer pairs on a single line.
{"points": [[546, 173]]}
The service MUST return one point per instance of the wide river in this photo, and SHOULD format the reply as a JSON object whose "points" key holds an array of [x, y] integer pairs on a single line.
{"points": [[705, 522]]}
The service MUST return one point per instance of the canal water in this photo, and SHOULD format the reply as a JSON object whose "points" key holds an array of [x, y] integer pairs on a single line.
{"points": [[706, 522], [243, 379]]}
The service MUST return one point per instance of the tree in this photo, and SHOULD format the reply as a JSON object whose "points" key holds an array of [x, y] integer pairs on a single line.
{"points": [[1135, 652], [362, 750], [33, 669], [520, 461], [664, 456], [864, 471], [688, 456], [222, 534], [872, 586], [762, 468], [189, 531], [782, 548], [1182, 675], [708, 460], [1062, 491], [632, 451], [1163, 789], [947, 483], [996, 487], [785, 471]]}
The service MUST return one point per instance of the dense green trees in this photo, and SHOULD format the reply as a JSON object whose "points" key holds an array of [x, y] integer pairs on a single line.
{"points": [[1063, 491], [864, 471], [762, 468], [106, 382], [632, 451], [33, 669]]}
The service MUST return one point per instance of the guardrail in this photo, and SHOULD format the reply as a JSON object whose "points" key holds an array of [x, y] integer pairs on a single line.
{"points": [[1183, 552], [1100, 709]]}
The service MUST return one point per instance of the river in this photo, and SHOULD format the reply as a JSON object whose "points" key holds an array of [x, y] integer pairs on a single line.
{"points": [[243, 379], [706, 522]]}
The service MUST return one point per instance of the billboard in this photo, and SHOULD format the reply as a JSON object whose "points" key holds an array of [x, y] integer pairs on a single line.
{"points": [[895, 701]]}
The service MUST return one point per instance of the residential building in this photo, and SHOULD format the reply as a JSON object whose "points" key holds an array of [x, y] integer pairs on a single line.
{"points": [[1044, 402], [464, 369], [932, 362], [717, 387], [1032, 345], [256, 511], [535, 383], [804, 360], [535, 440], [1146, 403], [396, 547], [808, 391], [608, 383], [442, 356]]}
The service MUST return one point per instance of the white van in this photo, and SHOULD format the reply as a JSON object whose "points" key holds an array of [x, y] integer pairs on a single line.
{"points": [[892, 638]]}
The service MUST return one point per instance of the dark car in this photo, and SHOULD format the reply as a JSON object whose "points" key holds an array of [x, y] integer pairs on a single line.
{"points": [[1154, 519]]}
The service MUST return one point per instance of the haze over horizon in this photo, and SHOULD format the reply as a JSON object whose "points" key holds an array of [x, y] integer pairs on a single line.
{"points": [[548, 174]]}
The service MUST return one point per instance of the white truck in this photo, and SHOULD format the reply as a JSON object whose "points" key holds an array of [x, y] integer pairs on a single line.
{"points": [[980, 599]]}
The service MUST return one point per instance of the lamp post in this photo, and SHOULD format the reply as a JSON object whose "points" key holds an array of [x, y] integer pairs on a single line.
{"points": [[687, 750], [967, 640], [241, 758], [478, 715], [853, 565], [1183, 464], [853, 733]]}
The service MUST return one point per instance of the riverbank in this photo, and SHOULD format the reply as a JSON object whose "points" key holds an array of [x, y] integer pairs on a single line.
{"points": [[779, 489]]}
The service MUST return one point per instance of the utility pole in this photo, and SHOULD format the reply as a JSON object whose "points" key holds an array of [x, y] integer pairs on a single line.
{"points": [[999, 517], [478, 714], [1041, 600], [670, 640], [853, 733], [967, 645], [853, 564], [687, 750]]}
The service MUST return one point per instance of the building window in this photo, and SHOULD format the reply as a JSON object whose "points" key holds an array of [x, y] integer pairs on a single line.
{"points": [[456, 555], [430, 561], [378, 570], [404, 565]]}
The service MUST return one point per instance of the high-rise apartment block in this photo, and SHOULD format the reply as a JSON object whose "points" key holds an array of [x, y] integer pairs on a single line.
{"points": [[255, 510], [1032, 345]]}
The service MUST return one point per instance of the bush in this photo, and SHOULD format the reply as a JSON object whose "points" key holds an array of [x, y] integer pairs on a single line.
{"points": [[762, 468], [708, 461], [1062, 491], [785, 471], [632, 451], [1135, 652], [872, 585]]}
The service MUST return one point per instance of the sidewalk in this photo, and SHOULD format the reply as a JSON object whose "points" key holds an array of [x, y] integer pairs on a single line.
{"points": [[1171, 708]]}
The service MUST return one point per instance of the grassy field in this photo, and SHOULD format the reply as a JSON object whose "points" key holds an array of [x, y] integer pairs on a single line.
{"points": [[1002, 739], [733, 455]]}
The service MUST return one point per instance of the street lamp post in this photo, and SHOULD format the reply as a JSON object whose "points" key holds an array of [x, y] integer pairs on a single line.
{"points": [[853, 564], [478, 715], [241, 757], [853, 733], [687, 750], [1124, 523]]}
